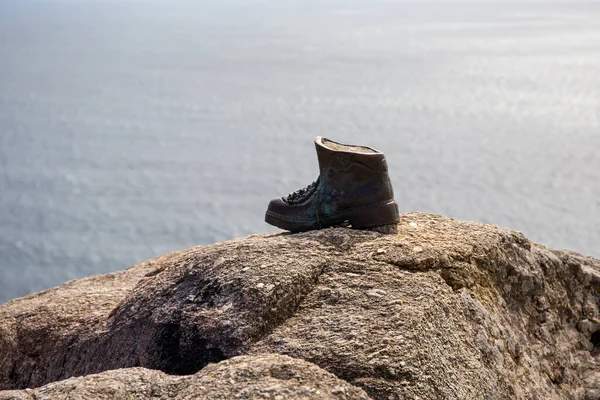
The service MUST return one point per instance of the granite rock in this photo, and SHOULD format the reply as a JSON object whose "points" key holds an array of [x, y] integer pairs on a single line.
{"points": [[433, 308], [265, 376]]}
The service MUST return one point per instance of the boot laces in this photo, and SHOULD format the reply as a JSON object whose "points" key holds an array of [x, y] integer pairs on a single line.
{"points": [[302, 194]]}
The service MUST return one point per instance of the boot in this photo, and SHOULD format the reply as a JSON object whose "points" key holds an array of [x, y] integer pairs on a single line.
{"points": [[353, 188]]}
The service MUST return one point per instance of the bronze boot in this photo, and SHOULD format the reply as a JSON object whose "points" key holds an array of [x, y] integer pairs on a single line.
{"points": [[353, 188]]}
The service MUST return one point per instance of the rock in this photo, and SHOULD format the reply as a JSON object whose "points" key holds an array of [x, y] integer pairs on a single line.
{"points": [[477, 312], [36, 331], [376, 293], [267, 376]]}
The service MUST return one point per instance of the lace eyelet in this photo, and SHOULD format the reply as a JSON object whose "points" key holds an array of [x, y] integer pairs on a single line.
{"points": [[301, 194]]}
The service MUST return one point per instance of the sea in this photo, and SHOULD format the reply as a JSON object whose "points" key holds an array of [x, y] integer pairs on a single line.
{"points": [[133, 128]]}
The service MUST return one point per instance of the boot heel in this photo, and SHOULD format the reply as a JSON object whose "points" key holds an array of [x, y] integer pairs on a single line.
{"points": [[384, 214]]}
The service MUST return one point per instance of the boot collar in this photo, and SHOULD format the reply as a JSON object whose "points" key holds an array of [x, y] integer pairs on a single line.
{"points": [[331, 154]]}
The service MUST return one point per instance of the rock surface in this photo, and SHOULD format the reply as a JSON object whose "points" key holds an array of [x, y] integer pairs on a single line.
{"points": [[267, 376], [439, 309]]}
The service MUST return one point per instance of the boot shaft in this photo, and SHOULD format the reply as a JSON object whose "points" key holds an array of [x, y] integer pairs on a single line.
{"points": [[351, 176]]}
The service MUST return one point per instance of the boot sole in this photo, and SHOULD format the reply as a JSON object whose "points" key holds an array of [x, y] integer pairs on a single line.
{"points": [[367, 217]]}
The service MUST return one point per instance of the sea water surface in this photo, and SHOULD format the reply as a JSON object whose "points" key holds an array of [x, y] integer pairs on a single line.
{"points": [[132, 128]]}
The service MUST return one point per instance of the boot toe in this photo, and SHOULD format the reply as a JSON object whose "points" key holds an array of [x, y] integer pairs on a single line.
{"points": [[293, 218], [278, 206]]}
